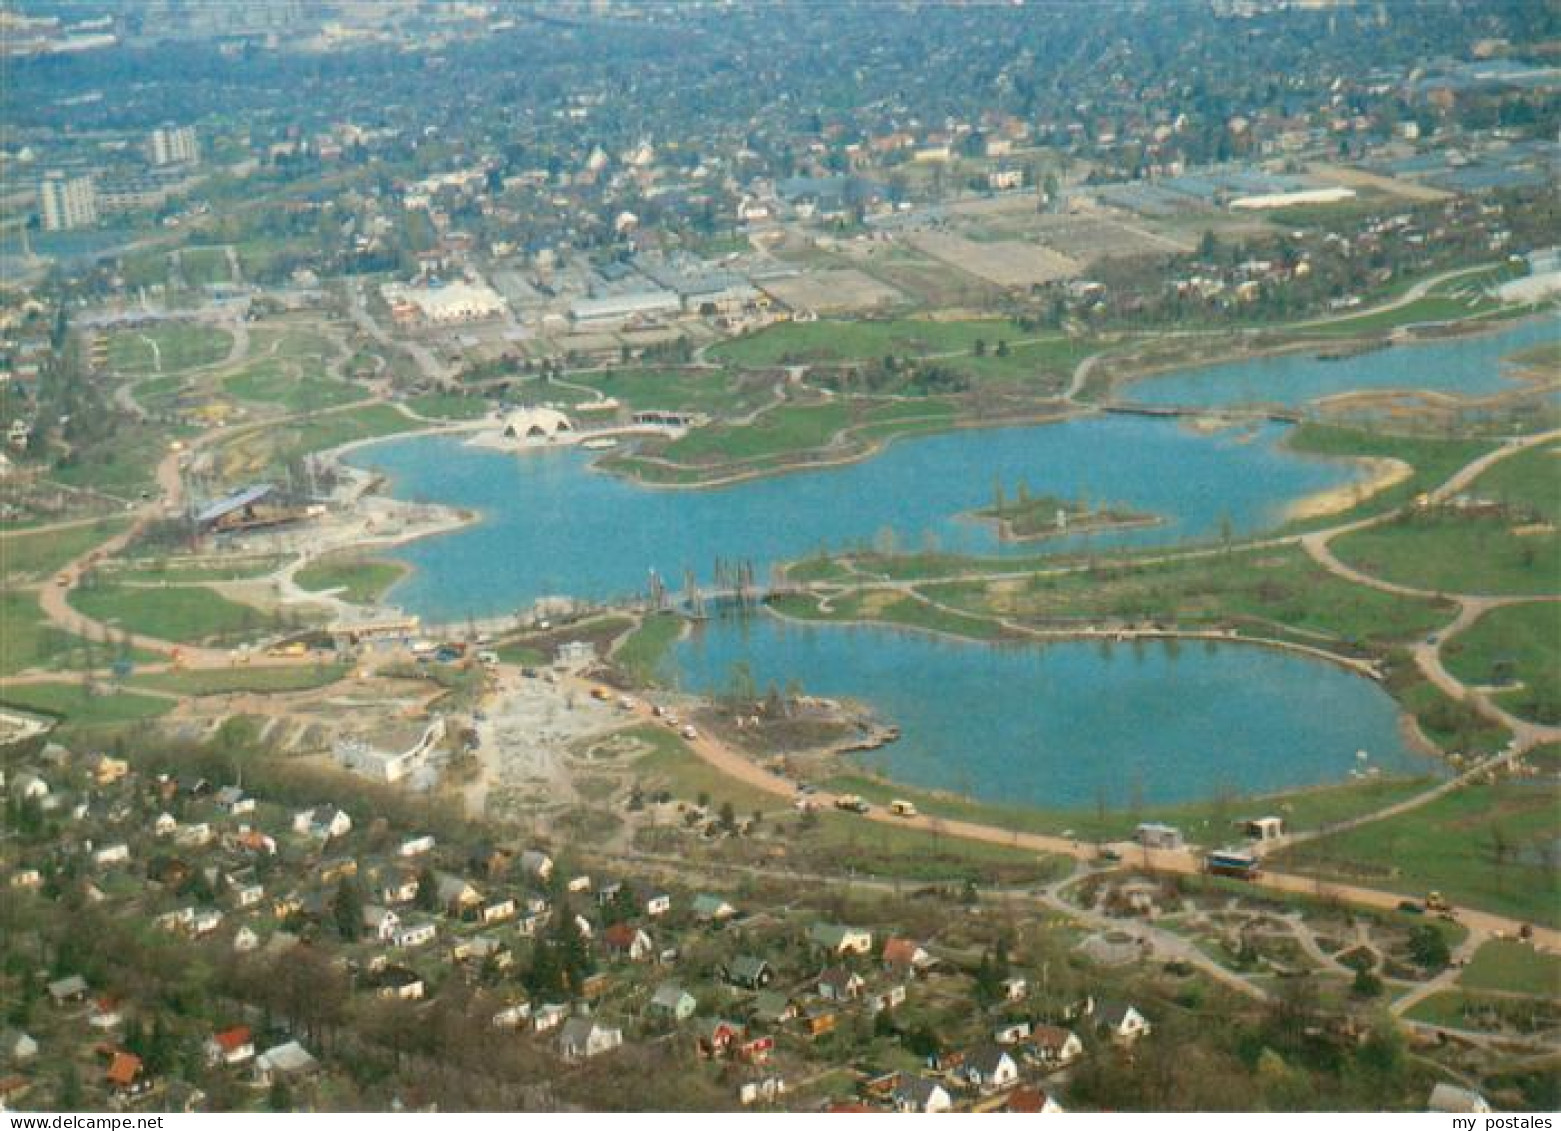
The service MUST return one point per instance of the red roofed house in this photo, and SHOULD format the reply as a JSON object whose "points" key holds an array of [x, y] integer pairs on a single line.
{"points": [[231, 1046], [125, 1076]]}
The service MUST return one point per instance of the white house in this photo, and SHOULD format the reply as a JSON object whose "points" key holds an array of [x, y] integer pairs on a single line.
{"points": [[583, 1037], [1056, 1047], [1121, 1022], [284, 1062], [230, 1047], [919, 1094], [841, 940], [381, 922], [991, 1068], [111, 854], [550, 1016], [417, 846], [322, 821], [414, 934], [512, 1016]]}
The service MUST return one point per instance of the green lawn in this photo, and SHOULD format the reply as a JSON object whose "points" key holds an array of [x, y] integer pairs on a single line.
{"points": [[185, 572], [1483, 846], [713, 391], [26, 639], [293, 677], [186, 615], [1444, 551], [1434, 461], [1457, 1009], [1429, 308], [74, 703], [203, 265], [25, 555], [828, 341], [1517, 644], [1513, 967], [450, 406], [329, 430], [276, 382], [363, 580], [167, 347], [1526, 481], [642, 650]]}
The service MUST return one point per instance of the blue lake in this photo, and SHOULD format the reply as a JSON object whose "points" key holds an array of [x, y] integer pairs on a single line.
{"points": [[551, 525], [1457, 365], [1064, 725]]}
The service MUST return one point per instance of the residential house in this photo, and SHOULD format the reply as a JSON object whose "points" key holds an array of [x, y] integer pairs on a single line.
{"points": [[105, 1014], [399, 983], [230, 1047], [323, 822], [497, 911], [906, 957], [417, 846], [513, 1017], [414, 934], [713, 1036], [112, 854], [583, 1037], [290, 1061], [1451, 1099], [1014, 988], [628, 942], [1055, 1047], [887, 998], [106, 770], [549, 1016], [245, 940], [712, 909], [1011, 1032], [457, 896], [652, 901], [990, 1068], [234, 801], [839, 984], [768, 1090], [17, 1046], [481, 950], [537, 865], [771, 1007], [164, 824], [397, 886], [126, 1076], [489, 861], [749, 973], [919, 1094], [1030, 1100], [1121, 1022], [672, 1002], [381, 923], [818, 1020], [840, 940]]}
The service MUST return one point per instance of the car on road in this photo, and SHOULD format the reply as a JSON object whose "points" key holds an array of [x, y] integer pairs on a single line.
{"points": [[1410, 907]]}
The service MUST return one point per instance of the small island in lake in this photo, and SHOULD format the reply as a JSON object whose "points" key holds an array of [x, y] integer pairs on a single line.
{"points": [[1030, 518]]}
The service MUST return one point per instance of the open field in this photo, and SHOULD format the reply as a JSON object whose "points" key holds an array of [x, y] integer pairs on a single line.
{"points": [[360, 578], [1487, 846], [834, 291], [831, 342], [642, 650], [1429, 308], [290, 386], [1010, 264], [264, 680], [1448, 552], [167, 347], [184, 572], [24, 555], [187, 615], [710, 391], [26, 639], [1513, 967], [204, 265], [1518, 645], [84, 707], [450, 406]]}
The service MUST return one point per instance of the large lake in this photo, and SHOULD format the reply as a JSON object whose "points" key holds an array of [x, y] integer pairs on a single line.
{"points": [[1468, 365], [550, 525], [1067, 725]]}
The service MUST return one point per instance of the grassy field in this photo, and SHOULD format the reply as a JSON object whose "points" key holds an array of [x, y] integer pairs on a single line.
{"points": [[795, 343], [1458, 1009], [1206, 822], [450, 406], [1266, 591], [363, 580], [294, 677], [25, 555], [793, 428], [1518, 644], [169, 347], [1429, 308], [184, 572], [281, 383], [26, 639], [203, 265], [1487, 846], [1443, 551], [642, 650], [73, 702], [186, 615], [1526, 481], [713, 391], [1513, 967], [123, 466], [1433, 461]]}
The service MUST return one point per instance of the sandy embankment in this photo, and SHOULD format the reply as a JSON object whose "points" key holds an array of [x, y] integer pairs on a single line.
{"points": [[1381, 472]]}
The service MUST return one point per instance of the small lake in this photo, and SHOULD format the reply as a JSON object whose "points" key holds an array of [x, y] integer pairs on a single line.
{"points": [[551, 525], [1062, 725], [1469, 365]]}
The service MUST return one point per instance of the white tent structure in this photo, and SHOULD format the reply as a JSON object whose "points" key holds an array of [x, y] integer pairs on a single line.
{"points": [[536, 424]]}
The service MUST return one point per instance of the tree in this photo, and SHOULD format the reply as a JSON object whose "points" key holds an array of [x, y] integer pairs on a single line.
{"points": [[427, 890], [347, 908], [1428, 947]]}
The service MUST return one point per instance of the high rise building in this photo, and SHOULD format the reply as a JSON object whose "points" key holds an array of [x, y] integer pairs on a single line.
{"points": [[67, 202], [174, 146]]}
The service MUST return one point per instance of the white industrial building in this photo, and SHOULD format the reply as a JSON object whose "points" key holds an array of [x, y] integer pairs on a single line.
{"points": [[445, 303], [611, 310]]}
